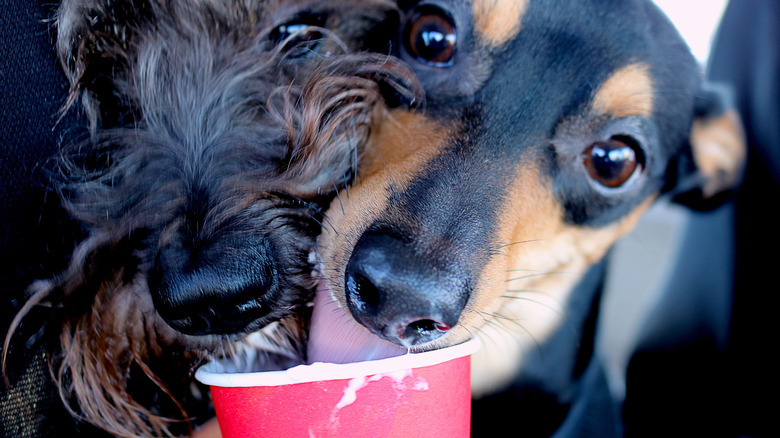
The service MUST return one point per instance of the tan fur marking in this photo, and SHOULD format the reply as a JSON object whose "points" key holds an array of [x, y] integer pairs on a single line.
{"points": [[628, 92], [401, 143], [719, 150], [497, 21], [527, 282]]}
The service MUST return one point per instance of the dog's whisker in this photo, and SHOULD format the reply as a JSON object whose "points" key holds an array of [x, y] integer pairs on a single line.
{"points": [[346, 186], [540, 274], [391, 184], [524, 291], [484, 335], [338, 196], [354, 166], [326, 221], [519, 243], [557, 311], [493, 319], [526, 270]]}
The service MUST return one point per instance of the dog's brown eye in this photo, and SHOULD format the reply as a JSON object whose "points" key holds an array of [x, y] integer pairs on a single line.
{"points": [[430, 36], [612, 163]]}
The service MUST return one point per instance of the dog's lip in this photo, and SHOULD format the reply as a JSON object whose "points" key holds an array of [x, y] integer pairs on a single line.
{"points": [[335, 337]]}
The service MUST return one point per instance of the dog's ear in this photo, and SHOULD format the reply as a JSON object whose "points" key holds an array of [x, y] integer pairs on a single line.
{"points": [[713, 169]]}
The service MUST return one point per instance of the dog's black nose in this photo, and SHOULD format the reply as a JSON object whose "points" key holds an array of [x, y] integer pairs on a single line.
{"points": [[399, 294], [220, 290]]}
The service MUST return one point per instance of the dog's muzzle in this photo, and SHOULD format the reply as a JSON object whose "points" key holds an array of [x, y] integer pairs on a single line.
{"points": [[222, 289], [399, 294]]}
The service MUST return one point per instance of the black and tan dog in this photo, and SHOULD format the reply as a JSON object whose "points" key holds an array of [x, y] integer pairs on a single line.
{"points": [[550, 127]]}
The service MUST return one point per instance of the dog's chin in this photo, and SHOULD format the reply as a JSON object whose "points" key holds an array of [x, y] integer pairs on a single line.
{"points": [[276, 346], [261, 346]]}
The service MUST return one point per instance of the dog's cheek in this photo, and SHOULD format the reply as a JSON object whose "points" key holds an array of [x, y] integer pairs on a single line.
{"points": [[525, 287]]}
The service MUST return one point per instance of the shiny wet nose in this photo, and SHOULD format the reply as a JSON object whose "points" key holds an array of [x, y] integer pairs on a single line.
{"points": [[400, 295]]}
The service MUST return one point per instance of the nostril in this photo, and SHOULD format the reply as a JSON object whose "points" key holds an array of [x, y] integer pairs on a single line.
{"points": [[426, 327], [398, 294], [423, 330]]}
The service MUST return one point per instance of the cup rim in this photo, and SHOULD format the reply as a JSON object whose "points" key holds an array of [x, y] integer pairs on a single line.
{"points": [[212, 373]]}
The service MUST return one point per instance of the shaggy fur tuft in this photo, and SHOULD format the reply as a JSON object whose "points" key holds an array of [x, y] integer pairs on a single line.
{"points": [[214, 149]]}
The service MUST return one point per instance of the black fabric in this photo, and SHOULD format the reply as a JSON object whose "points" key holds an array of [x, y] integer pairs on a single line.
{"points": [[706, 365], [32, 90], [594, 413]]}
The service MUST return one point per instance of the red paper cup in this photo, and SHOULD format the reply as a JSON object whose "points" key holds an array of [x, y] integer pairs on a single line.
{"points": [[405, 396]]}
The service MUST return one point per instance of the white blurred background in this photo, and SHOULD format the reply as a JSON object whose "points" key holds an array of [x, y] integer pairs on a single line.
{"points": [[697, 21]]}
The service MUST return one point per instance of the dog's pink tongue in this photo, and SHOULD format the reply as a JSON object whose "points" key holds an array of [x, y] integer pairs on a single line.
{"points": [[335, 337]]}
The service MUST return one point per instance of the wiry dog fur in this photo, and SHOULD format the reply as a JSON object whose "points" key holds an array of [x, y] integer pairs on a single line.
{"points": [[215, 140]]}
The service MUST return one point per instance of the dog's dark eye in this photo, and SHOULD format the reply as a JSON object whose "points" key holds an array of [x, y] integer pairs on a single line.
{"points": [[612, 163], [299, 35], [430, 36]]}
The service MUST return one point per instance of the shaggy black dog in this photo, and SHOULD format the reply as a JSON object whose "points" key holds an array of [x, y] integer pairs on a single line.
{"points": [[220, 130]]}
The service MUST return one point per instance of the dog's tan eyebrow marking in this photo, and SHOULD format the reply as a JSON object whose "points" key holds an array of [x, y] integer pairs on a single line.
{"points": [[627, 92], [497, 21], [402, 144]]}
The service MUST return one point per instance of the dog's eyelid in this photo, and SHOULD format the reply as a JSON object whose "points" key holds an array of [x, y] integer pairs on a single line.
{"points": [[633, 130], [305, 17]]}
